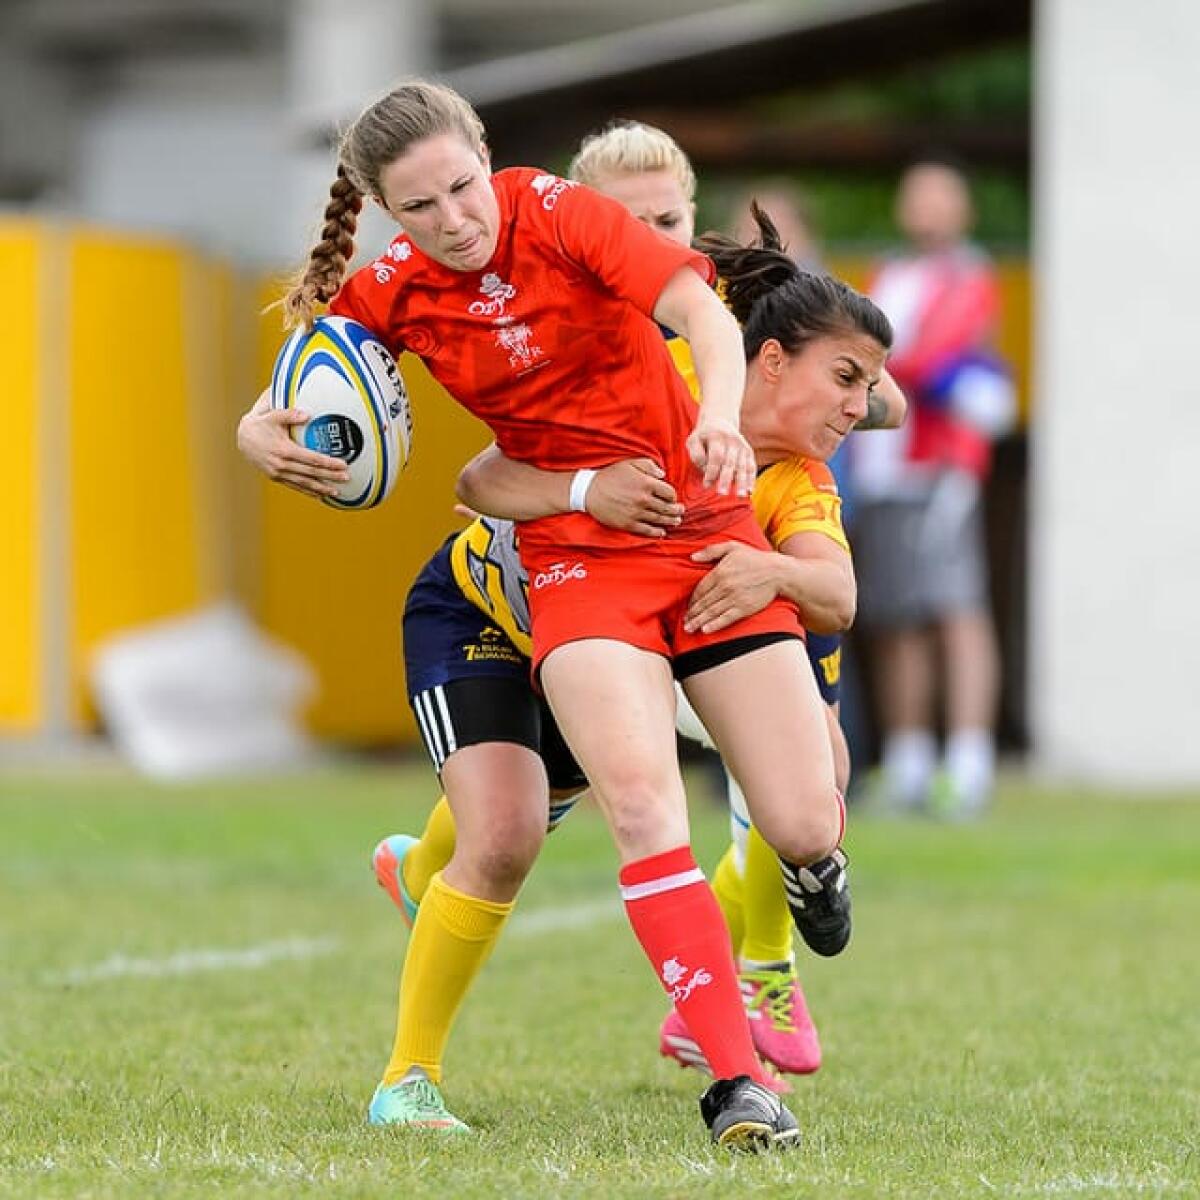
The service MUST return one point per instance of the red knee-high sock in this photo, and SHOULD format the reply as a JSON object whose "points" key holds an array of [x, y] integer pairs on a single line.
{"points": [[675, 917]]}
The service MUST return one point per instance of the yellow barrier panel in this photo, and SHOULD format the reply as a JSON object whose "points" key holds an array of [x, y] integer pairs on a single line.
{"points": [[1014, 343], [137, 530], [21, 596]]}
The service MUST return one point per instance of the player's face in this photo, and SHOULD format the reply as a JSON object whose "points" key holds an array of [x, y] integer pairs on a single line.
{"points": [[656, 198], [822, 391], [440, 191]]}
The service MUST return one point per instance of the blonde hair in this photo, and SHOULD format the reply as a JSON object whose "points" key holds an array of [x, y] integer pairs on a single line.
{"points": [[409, 113], [628, 148]]}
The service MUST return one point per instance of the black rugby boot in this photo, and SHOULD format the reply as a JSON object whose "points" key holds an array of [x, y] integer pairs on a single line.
{"points": [[744, 1115], [819, 897]]}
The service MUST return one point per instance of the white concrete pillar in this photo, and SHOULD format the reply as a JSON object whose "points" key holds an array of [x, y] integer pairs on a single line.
{"points": [[342, 53]]}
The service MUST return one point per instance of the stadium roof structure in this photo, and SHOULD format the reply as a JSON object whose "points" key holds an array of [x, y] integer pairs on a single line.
{"points": [[691, 73]]}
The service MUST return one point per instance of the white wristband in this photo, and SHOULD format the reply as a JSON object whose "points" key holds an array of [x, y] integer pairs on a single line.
{"points": [[580, 482]]}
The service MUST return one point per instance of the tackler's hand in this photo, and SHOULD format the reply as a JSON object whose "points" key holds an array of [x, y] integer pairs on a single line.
{"points": [[634, 495], [742, 582]]}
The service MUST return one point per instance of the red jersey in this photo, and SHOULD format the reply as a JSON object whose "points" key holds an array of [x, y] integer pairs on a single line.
{"points": [[552, 344]]}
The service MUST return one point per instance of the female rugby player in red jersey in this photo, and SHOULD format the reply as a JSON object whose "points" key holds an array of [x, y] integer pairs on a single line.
{"points": [[534, 303], [646, 170]]}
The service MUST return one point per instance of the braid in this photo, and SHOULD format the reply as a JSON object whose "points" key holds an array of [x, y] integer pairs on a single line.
{"points": [[322, 276], [749, 272]]}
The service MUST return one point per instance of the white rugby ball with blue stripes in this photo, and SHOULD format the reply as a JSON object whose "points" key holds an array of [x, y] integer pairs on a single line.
{"points": [[345, 378]]}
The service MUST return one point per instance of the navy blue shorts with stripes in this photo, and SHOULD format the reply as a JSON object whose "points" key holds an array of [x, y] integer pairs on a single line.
{"points": [[468, 684]]}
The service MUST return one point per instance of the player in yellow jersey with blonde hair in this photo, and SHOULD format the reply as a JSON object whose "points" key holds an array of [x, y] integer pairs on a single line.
{"points": [[797, 504]]}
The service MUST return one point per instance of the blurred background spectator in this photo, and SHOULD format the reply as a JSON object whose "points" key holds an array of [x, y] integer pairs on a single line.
{"points": [[790, 211], [918, 518]]}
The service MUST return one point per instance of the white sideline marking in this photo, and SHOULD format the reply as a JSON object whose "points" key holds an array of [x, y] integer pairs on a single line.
{"points": [[254, 958], [191, 962], [1125, 1184], [574, 916]]}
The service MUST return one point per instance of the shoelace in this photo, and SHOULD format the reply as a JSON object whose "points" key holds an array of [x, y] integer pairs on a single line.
{"points": [[774, 997], [426, 1097]]}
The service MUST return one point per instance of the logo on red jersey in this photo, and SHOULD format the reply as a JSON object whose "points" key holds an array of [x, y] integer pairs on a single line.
{"points": [[397, 252], [517, 342], [496, 293], [420, 341], [559, 573], [551, 188]]}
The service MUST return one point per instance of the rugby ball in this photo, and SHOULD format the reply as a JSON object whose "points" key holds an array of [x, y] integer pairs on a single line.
{"points": [[345, 378]]}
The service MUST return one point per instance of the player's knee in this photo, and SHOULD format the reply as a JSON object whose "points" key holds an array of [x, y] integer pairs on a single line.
{"points": [[810, 833], [502, 852], [644, 822], [506, 862]]}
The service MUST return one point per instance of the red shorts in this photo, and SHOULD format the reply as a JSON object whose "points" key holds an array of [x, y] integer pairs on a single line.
{"points": [[639, 596]]}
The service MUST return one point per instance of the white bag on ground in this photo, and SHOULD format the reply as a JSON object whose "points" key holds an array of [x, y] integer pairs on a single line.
{"points": [[203, 694]]}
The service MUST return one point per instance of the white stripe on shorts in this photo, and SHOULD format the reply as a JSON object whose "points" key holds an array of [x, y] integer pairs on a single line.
{"points": [[668, 883], [439, 693], [419, 713], [432, 738]]}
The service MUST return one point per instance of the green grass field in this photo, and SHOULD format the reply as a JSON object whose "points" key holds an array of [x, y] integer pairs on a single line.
{"points": [[197, 996]]}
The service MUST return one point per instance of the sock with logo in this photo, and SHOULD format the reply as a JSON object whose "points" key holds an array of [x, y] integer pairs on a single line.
{"points": [[432, 852], [451, 939], [676, 918]]}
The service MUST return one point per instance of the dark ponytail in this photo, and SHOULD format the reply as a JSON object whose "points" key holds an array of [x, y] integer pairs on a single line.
{"points": [[772, 298]]}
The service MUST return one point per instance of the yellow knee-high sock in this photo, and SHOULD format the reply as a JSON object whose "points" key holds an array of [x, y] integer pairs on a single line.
{"points": [[432, 852], [768, 923], [453, 935], [727, 886]]}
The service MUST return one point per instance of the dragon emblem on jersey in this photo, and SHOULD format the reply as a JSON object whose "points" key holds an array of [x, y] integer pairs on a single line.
{"points": [[496, 294], [517, 342]]}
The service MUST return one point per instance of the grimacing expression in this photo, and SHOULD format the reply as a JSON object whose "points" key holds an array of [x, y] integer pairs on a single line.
{"points": [[823, 389], [440, 192], [656, 198]]}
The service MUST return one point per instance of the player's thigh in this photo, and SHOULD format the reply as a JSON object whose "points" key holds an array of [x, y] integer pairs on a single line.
{"points": [[615, 705], [769, 723]]}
